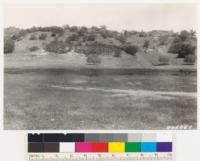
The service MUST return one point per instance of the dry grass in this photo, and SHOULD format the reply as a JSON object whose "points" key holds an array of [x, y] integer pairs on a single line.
{"points": [[31, 101]]}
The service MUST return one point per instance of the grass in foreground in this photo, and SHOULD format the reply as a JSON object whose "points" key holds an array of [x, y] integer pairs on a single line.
{"points": [[32, 101]]}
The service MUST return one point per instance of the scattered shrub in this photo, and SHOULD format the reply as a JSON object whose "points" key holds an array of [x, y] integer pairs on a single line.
{"points": [[183, 44], [93, 59], [121, 38], [90, 37], [142, 34], [9, 45], [162, 40], [184, 35], [104, 35], [53, 34], [19, 35], [117, 53], [146, 44], [83, 29], [43, 36], [56, 47], [33, 48], [164, 59], [130, 49], [74, 29], [73, 37], [175, 46], [186, 49], [33, 37], [15, 37], [190, 59]]}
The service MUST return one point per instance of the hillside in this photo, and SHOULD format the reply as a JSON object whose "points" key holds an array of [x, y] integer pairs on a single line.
{"points": [[108, 48]]}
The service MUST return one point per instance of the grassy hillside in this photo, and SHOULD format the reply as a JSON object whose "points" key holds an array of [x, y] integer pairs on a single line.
{"points": [[98, 45]]}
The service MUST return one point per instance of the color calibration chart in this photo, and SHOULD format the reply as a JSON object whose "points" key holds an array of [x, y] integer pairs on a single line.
{"points": [[100, 147]]}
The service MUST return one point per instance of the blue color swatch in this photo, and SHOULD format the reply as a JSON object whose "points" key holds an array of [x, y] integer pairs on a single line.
{"points": [[148, 147]]}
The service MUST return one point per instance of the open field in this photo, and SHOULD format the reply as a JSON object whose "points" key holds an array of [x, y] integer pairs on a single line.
{"points": [[102, 98]]}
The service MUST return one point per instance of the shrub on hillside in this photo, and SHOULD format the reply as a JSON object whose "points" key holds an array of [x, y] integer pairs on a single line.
{"points": [[18, 36], [33, 48], [33, 37], [186, 49], [142, 34], [146, 44], [73, 37], [175, 46], [56, 46], [164, 59], [183, 44], [9, 45], [53, 34], [162, 40], [74, 29], [15, 37], [121, 38], [190, 59], [43, 36], [90, 37], [183, 49], [104, 35], [99, 49], [130, 49], [184, 35], [117, 53], [93, 59]]}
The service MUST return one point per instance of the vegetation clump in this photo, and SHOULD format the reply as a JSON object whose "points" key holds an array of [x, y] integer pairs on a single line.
{"points": [[33, 48], [42, 36], [33, 37], [184, 44], [146, 44], [130, 49], [9, 45], [56, 46], [164, 59], [93, 59], [117, 53], [190, 59]]}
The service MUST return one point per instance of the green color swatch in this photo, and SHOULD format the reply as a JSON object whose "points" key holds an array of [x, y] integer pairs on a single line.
{"points": [[133, 147]]}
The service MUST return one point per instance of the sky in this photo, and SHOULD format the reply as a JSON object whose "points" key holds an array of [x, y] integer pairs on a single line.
{"points": [[146, 17]]}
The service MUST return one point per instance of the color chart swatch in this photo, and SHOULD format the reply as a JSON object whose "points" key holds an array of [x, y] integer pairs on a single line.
{"points": [[99, 143]]}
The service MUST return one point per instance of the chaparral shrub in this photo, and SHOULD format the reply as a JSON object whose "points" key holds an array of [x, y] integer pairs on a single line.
{"points": [[90, 37], [93, 59], [33, 48], [56, 46], [190, 59], [73, 37], [164, 59], [117, 53], [142, 34], [186, 49], [184, 35], [130, 49], [33, 37], [146, 44], [53, 34], [43, 36], [162, 40], [9, 45], [183, 44]]}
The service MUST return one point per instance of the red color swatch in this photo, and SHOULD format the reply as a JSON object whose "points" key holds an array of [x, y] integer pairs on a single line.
{"points": [[100, 147]]}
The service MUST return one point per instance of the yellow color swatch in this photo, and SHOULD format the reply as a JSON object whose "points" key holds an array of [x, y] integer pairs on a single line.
{"points": [[116, 147]]}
